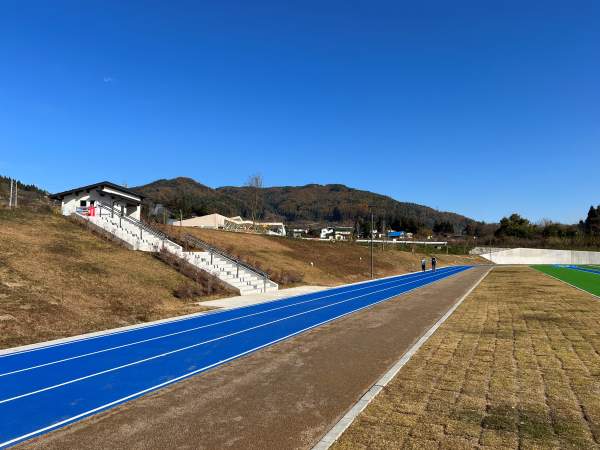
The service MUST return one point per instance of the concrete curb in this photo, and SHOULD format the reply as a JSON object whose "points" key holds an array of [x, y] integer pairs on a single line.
{"points": [[82, 337], [338, 429]]}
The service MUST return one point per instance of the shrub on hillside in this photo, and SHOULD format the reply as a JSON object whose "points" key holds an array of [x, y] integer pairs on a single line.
{"points": [[188, 291], [286, 277]]}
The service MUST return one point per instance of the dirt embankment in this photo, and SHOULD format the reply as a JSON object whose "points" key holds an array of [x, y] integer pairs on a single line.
{"points": [[58, 279], [320, 263]]}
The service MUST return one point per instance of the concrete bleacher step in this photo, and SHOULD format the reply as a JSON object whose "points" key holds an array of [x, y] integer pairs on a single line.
{"points": [[229, 272]]}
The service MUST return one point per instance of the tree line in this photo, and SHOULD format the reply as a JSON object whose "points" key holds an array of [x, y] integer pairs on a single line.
{"points": [[516, 230]]}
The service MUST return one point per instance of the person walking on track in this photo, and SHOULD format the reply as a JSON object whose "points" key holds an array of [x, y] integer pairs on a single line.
{"points": [[433, 262], [423, 264]]}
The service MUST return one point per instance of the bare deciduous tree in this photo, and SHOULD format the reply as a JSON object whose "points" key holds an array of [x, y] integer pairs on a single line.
{"points": [[255, 183]]}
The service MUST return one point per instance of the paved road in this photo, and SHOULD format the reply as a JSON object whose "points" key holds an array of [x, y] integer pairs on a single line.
{"points": [[52, 386]]}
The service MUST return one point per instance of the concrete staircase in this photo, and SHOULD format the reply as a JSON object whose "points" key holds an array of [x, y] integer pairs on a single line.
{"points": [[140, 236]]}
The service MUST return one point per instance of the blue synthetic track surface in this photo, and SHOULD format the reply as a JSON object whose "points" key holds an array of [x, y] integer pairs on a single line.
{"points": [[50, 386]]}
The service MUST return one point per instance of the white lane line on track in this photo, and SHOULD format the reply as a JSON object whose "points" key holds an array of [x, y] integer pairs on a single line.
{"points": [[171, 320], [583, 269], [188, 347], [189, 330], [203, 369]]}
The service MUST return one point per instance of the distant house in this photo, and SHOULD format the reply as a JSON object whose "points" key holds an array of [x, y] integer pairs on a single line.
{"points": [[299, 232], [399, 235], [80, 199], [344, 233], [337, 233], [395, 234], [327, 233]]}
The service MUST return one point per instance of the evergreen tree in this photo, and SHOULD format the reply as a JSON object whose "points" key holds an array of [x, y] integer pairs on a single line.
{"points": [[592, 222]]}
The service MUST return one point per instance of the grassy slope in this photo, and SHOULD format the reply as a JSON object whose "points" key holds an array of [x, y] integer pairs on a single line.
{"points": [[516, 366], [584, 280], [58, 279], [333, 262]]}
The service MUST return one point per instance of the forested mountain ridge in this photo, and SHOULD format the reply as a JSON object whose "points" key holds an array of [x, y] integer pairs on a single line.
{"points": [[312, 203]]}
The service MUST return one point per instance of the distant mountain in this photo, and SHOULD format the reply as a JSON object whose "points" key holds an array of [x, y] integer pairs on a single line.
{"points": [[189, 196], [313, 203]]}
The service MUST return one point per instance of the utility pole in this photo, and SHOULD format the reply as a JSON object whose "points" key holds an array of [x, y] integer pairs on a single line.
{"points": [[16, 192], [11, 194], [372, 225]]}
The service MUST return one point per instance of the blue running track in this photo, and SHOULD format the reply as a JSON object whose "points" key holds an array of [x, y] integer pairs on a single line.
{"points": [[53, 385], [583, 269]]}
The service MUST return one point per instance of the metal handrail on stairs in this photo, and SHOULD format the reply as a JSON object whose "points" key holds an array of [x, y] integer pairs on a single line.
{"points": [[137, 223], [196, 242], [188, 239]]}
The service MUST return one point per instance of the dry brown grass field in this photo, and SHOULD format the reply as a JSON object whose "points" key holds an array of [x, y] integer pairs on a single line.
{"points": [[57, 279], [332, 262], [517, 366]]}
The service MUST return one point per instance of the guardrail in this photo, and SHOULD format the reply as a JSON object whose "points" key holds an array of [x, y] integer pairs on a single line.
{"points": [[196, 242], [137, 223]]}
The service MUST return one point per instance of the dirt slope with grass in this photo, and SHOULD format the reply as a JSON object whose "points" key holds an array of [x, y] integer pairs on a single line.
{"points": [[289, 260], [58, 279], [517, 366]]}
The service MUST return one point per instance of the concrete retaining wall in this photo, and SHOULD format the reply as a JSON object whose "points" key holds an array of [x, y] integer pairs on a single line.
{"points": [[482, 250], [542, 256]]}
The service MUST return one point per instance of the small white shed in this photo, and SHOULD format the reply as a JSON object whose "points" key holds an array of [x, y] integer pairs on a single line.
{"points": [[110, 194]]}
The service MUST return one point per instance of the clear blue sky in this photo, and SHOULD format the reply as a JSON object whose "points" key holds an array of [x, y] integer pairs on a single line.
{"points": [[478, 107]]}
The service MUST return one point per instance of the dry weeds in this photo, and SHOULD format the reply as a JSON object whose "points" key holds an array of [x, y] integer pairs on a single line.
{"points": [[516, 366], [319, 263]]}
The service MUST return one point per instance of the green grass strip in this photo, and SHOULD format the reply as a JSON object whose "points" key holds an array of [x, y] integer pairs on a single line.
{"points": [[584, 280]]}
